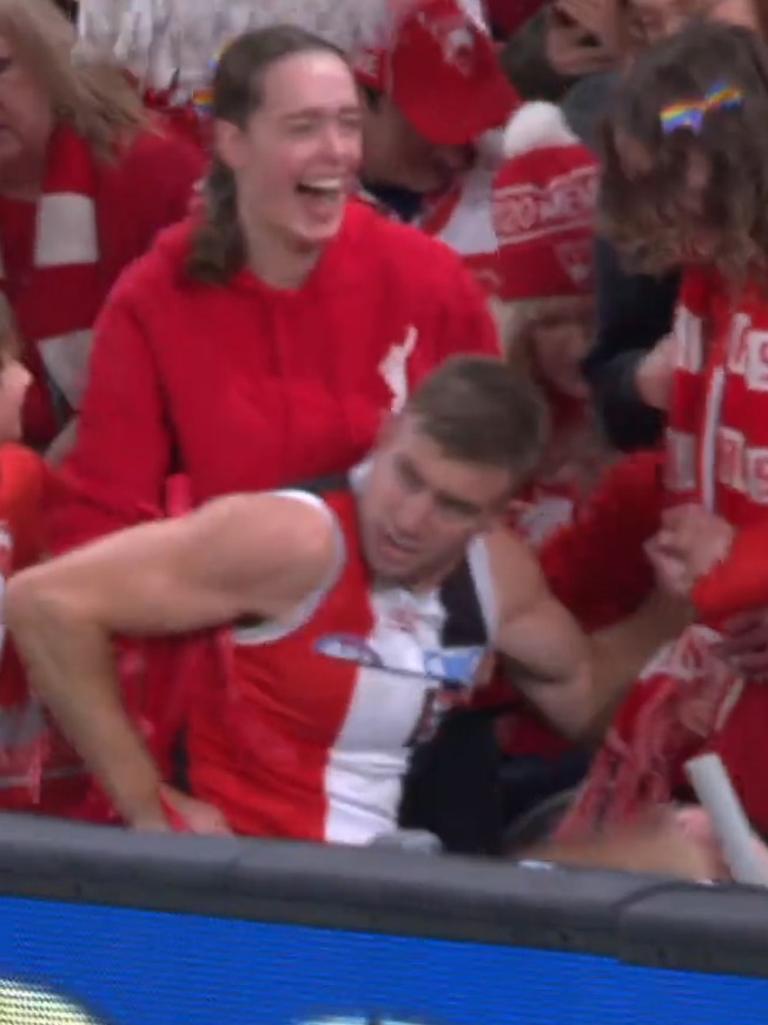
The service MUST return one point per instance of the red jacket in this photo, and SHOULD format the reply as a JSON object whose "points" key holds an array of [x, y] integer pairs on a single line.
{"points": [[244, 387]]}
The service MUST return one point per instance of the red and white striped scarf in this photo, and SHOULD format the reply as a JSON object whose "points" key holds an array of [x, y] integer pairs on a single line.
{"points": [[57, 305]]}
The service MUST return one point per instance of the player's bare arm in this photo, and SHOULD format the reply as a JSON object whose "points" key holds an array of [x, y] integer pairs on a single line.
{"points": [[548, 656], [621, 650], [254, 556], [544, 645]]}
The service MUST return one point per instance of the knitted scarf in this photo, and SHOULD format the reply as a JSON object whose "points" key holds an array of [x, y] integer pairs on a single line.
{"points": [[678, 708], [57, 304]]}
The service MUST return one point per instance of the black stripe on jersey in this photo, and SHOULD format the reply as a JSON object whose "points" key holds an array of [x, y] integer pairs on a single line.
{"points": [[464, 624]]}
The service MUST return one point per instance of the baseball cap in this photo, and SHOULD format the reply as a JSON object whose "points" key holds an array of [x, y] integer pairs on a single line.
{"points": [[440, 67]]}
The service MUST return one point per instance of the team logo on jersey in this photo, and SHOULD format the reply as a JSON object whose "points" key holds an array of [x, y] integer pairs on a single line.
{"points": [[452, 667], [394, 368], [349, 649]]}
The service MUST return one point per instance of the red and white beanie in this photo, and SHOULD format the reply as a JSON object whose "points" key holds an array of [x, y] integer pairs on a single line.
{"points": [[543, 208]]}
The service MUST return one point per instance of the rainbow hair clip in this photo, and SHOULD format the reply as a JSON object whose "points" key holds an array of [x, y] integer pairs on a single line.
{"points": [[690, 114], [202, 98]]}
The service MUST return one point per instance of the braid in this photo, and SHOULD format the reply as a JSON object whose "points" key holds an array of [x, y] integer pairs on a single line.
{"points": [[218, 250]]}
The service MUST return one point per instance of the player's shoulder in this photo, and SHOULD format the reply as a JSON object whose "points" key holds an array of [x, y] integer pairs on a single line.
{"points": [[515, 568], [287, 525]]}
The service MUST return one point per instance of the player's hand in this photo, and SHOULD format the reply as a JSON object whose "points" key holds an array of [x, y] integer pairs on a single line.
{"points": [[191, 815]]}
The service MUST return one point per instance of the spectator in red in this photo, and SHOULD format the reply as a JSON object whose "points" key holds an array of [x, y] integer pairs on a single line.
{"points": [[85, 184], [543, 213], [432, 81], [697, 103], [259, 342]]}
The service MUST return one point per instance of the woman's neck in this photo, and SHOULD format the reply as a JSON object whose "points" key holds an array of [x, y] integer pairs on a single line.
{"points": [[274, 260]]}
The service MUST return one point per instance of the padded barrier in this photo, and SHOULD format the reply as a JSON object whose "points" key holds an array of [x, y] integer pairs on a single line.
{"points": [[118, 918]]}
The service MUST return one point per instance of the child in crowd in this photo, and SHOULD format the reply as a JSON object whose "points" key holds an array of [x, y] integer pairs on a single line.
{"points": [[543, 211], [37, 769], [544, 203], [686, 180]]}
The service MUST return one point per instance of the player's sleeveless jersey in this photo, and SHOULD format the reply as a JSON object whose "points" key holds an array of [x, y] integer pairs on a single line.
{"points": [[312, 736]]}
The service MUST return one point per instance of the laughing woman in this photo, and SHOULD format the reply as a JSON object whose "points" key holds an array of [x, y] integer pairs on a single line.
{"points": [[261, 341]]}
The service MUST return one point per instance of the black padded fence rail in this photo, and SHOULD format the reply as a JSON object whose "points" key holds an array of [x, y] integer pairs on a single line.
{"points": [[642, 920]]}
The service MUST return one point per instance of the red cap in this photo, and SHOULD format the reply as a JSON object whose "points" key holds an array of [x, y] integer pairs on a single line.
{"points": [[441, 69], [510, 15], [544, 202]]}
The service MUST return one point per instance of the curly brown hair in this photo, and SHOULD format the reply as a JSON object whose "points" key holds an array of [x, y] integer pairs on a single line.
{"points": [[647, 210]]}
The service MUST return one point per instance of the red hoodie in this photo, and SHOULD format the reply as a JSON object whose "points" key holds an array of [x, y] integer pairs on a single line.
{"points": [[243, 386]]}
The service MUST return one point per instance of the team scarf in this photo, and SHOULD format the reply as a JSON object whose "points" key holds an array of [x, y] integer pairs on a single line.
{"points": [[57, 305], [680, 706]]}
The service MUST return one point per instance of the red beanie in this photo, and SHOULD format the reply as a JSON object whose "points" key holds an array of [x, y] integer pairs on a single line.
{"points": [[441, 67], [544, 201]]}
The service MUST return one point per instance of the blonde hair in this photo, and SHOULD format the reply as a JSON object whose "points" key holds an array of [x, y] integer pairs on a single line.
{"points": [[517, 322], [94, 97]]}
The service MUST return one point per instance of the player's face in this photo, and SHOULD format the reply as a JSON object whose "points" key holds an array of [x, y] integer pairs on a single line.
{"points": [[420, 507], [296, 160]]}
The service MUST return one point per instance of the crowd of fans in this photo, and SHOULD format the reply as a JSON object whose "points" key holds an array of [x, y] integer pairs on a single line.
{"points": [[380, 425]]}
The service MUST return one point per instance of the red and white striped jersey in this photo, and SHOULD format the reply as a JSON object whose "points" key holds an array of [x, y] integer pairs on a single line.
{"points": [[313, 734]]}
